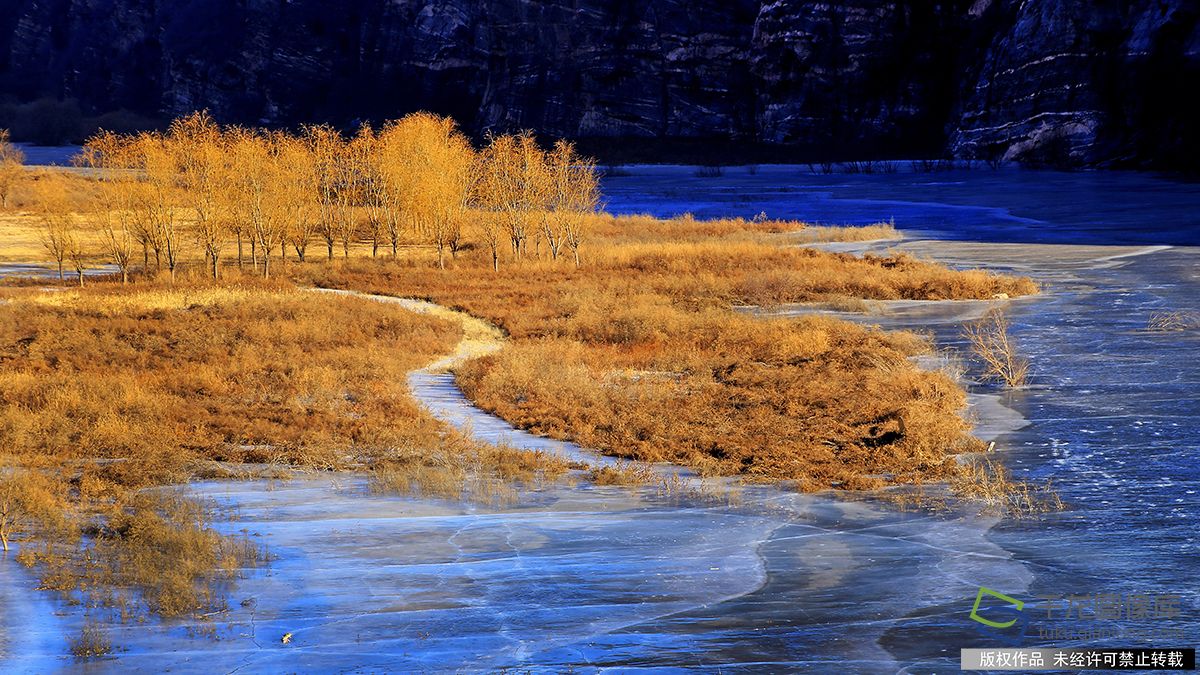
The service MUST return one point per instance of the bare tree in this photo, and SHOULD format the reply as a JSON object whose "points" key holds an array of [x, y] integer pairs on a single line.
{"points": [[58, 229], [78, 256], [299, 192], [11, 169], [200, 155], [104, 153], [575, 195], [328, 149]]}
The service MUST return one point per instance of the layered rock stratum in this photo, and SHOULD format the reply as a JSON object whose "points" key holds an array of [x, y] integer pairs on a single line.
{"points": [[1084, 81]]}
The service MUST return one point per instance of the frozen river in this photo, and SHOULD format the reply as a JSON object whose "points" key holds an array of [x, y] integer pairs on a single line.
{"points": [[576, 577]]}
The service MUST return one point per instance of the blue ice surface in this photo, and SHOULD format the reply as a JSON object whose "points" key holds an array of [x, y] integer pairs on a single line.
{"points": [[1010, 204]]}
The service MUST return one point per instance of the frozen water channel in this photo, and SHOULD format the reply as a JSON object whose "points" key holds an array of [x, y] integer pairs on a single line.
{"points": [[580, 577]]}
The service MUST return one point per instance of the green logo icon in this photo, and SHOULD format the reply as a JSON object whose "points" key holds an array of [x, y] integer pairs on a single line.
{"points": [[994, 624]]}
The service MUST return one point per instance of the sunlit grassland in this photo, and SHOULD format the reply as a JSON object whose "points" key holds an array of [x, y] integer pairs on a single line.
{"points": [[619, 332], [109, 391]]}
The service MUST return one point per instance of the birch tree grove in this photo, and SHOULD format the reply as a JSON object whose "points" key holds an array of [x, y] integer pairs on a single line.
{"points": [[416, 180]]}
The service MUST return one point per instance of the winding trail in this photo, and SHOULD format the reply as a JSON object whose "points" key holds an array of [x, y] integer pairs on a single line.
{"points": [[434, 387]]}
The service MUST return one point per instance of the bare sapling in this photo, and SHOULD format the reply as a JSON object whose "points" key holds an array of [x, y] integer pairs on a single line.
{"points": [[991, 344], [582, 199], [58, 234]]}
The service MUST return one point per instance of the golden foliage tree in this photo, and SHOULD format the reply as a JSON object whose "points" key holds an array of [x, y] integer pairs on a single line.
{"points": [[328, 150], [299, 191], [431, 169], [103, 154], [199, 148], [574, 194], [262, 190], [156, 205], [419, 174]]}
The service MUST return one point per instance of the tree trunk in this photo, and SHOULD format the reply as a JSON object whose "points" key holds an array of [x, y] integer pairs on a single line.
{"points": [[576, 251], [215, 263], [495, 260], [124, 275], [254, 255], [239, 237], [329, 245], [441, 255], [60, 271], [80, 273]]}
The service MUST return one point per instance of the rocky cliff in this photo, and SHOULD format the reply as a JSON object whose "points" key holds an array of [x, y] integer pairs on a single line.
{"points": [[1092, 81]]}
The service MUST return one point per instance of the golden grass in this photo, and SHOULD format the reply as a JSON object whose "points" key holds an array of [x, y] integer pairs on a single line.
{"points": [[639, 355], [107, 391], [829, 233]]}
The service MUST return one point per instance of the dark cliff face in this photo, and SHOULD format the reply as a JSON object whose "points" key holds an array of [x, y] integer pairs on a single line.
{"points": [[1088, 81]]}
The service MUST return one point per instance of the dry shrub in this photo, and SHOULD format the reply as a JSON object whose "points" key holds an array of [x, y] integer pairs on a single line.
{"points": [[163, 547], [623, 473], [828, 233], [1172, 322], [637, 354], [91, 642], [991, 344], [990, 483]]}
